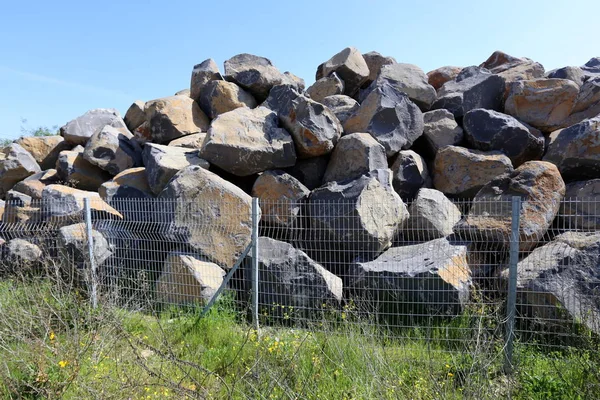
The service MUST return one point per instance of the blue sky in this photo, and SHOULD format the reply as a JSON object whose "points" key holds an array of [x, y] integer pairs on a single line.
{"points": [[60, 58]]}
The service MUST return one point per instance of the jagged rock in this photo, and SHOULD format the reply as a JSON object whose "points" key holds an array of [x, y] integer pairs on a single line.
{"points": [[461, 172], [541, 189], [389, 116], [473, 87], [162, 162], [441, 130], [218, 97], [183, 92], [294, 81], [589, 94], [407, 78], [246, 141], [135, 115], [16, 164], [427, 279], [410, 174], [255, 74], [355, 154], [23, 251], [193, 141], [574, 74], [575, 118], [350, 66], [330, 85], [375, 61], [579, 209], [79, 130], [113, 149], [591, 69], [172, 117], [513, 68], [131, 183], [359, 217], [574, 150], [310, 171], [62, 204], [20, 210], [143, 133], [34, 184], [490, 130], [432, 216], [341, 106], [292, 281], [280, 196], [439, 76], [187, 279], [44, 149], [202, 74], [313, 126], [220, 230], [543, 103], [74, 169], [557, 283], [73, 239]]}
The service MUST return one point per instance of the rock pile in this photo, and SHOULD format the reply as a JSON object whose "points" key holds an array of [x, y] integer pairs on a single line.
{"points": [[337, 163]]}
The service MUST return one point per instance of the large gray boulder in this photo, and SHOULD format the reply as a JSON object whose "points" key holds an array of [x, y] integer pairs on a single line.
{"points": [[196, 214], [574, 150], [574, 74], [22, 251], [430, 279], [490, 130], [341, 106], [74, 169], [162, 162], [193, 141], [79, 130], [129, 184], [202, 74], [330, 85], [313, 126], [375, 62], [310, 171], [173, 117], [441, 130], [255, 74], [63, 204], [246, 141], [541, 189], [44, 149], [73, 239], [432, 216], [135, 115], [113, 149], [410, 174], [218, 97], [16, 164], [579, 209], [589, 94], [358, 217], [291, 284], [389, 116], [355, 154], [350, 66]]}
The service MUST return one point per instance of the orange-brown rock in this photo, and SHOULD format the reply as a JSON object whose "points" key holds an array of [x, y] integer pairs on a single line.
{"points": [[441, 75], [44, 149], [175, 116]]}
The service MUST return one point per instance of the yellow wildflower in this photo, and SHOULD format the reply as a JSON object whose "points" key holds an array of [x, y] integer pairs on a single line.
{"points": [[63, 363]]}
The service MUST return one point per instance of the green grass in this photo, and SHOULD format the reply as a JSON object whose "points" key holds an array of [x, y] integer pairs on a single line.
{"points": [[52, 345]]}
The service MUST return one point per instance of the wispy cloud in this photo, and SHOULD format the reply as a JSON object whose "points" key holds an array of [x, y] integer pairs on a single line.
{"points": [[54, 81]]}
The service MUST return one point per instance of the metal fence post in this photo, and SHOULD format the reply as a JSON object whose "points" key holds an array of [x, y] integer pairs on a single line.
{"points": [[90, 245], [512, 284], [255, 262]]}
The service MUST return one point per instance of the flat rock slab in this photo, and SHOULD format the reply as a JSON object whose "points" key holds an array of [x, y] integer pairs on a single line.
{"points": [[79, 130]]}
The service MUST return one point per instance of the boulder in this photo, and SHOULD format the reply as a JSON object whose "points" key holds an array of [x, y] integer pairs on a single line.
{"points": [[313, 126], [440, 130], [341, 106], [193, 141], [20, 250], [461, 172], [543, 103], [439, 76], [359, 217], [162, 162], [389, 116], [35, 184], [513, 68], [172, 117], [432, 216], [330, 85], [291, 284], [113, 149], [255, 74], [355, 154], [557, 283], [143, 133], [574, 150], [129, 184], [541, 189], [310, 171], [294, 81], [20, 210], [135, 115], [574, 74], [44, 149], [281, 198], [410, 174], [73, 239], [375, 61], [183, 92], [246, 141], [202, 74], [219, 97], [591, 69], [74, 169], [589, 94], [407, 78], [187, 279], [490, 130], [429, 279], [16, 164], [79, 130], [61, 204], [579, 208], [209, 214], [350, 66]]}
